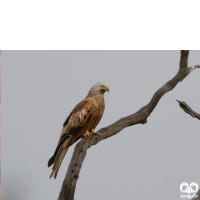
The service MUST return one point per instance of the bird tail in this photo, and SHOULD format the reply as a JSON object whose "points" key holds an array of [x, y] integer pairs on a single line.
{"points": [[57, 160]]}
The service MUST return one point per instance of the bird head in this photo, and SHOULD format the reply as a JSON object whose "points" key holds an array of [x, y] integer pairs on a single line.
{"points": [[100, 87]]}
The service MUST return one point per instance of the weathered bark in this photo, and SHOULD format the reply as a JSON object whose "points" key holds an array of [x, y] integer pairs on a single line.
{"points": [[188, 110], [140, 117]]}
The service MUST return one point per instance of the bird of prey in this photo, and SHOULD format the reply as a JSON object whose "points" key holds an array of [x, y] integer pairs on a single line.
{"points": [[81, 122]]}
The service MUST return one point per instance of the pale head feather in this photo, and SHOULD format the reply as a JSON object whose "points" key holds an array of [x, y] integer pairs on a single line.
{"points": [[100, 87]]}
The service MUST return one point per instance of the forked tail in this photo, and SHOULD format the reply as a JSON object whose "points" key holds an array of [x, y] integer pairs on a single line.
{"points": [[57, 160]]}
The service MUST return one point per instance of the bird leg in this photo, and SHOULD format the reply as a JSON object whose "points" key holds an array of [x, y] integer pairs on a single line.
{"points": [[95, 132], [88, 134]]}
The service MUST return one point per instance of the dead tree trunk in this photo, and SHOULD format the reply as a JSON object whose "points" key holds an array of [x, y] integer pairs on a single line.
{"points": [[140, 117]]}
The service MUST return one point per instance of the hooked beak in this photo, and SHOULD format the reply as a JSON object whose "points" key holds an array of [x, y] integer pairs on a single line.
{"points": [[106, 89]]}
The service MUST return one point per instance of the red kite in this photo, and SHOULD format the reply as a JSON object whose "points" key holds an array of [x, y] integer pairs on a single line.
{"points": [[81, 122]]}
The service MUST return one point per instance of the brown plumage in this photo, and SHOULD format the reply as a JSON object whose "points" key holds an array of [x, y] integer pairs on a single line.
{"points": [[81, 121]]}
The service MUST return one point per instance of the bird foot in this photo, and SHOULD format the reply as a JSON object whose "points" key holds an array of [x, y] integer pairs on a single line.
{"points": [[88, 134], [95, 132]]}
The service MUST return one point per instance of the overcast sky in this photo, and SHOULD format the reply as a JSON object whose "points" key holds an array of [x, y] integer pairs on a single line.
{"points": [[40, 88]]}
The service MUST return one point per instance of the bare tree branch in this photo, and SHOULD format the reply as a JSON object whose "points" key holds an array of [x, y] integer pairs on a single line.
{"points": [[140, 117], [188, 110]]}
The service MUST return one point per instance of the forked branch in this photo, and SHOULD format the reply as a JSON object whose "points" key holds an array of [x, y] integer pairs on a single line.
{"points": [[140, 117]]}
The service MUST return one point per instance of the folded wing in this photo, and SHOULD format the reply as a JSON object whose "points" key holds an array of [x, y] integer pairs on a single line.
{"points": [[78, 118]]}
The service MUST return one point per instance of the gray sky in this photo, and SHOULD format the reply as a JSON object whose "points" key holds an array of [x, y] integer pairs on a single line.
{"points": [[40, 88]]}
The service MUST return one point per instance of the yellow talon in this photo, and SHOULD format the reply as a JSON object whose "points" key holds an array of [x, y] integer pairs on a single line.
{"points": [[95, 132], [88, 134]]}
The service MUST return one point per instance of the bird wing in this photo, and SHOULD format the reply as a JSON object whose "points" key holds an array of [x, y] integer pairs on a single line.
{"points": [[76, 119]]}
